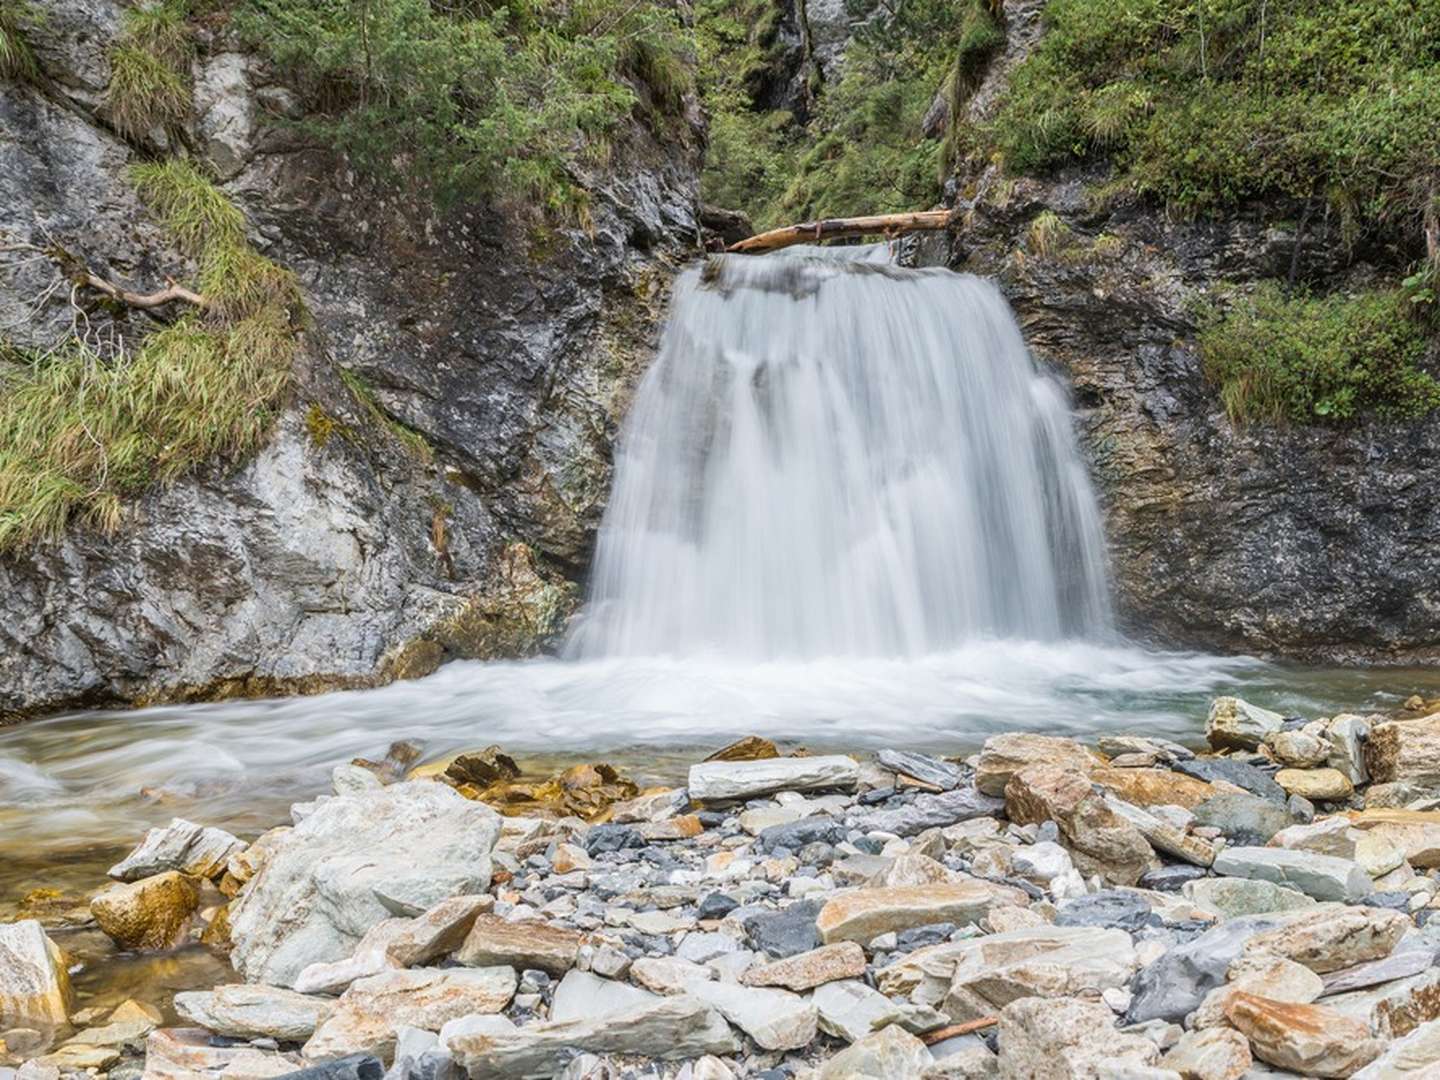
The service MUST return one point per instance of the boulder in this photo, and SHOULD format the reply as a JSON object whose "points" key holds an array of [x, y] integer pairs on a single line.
{"points": [[931, 812], [1405, 750], [1003, 756], [34, 983], [1298, 749], [243, 1011], [673, 1028], [1346, 735], [1332, 938], [367, 1016], [152, 913], [1103, 960], [1235, 724], [1231, 897], [866, 913], [775, 1019], [353, 861], [728, 781], [1321, 876], [1065, 1039], [582, 994], [887, 1054], [1163, 836], [1416, 833], [1317, 785], [1213, 1054], [1102, 840], [182, 845], [1154, 787], [1308, 1039], [807, 970], [1414, 1057]]}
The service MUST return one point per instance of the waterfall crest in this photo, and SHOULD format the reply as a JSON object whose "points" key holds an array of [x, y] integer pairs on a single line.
{"points": [[836, 456]]}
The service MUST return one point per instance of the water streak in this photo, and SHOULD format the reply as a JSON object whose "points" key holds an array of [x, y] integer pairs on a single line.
{"points": [[833, 455]]}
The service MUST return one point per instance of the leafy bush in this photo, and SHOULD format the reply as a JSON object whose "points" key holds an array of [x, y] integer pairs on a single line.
{"points": [[477, 99], [150, 71], [1308, 359], [80, 433], [1205, 103]]}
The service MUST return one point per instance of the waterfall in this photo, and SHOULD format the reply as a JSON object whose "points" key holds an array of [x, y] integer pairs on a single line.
{"points": [[836, 456]]}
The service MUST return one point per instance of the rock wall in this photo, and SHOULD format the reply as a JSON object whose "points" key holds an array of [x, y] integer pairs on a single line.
{"points": [[1312, 543], [341, 554]]}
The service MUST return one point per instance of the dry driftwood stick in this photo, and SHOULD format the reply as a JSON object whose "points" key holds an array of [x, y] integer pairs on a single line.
{"points": [[842, 228], [930, 1038]]}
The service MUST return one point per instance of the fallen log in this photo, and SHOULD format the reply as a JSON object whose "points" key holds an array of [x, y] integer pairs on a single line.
{"points": [[811, 232]]}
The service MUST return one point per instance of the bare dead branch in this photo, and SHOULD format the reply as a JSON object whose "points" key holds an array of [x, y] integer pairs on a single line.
{"points": [[886, 225]]}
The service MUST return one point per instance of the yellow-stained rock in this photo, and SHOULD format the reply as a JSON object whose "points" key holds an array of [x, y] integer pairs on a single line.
{"points": [[750, 748], [1154, 787], [34, 986], [148, 914], [1324, 785]]}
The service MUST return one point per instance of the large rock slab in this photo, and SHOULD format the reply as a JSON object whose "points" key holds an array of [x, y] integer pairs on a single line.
{"points": [[1101, 960], [1235, 724], [1321, 876], [1415, 832], [243, 1011], [1405, 750], [191, 1054], [1065, 1039], [866, 913], [1212, 1054], [1231, 897], [152, 913], [1308, 1039], [523, 943], [367, 1016], [353, 861], [1333, 938], [931, 812], [673, 1028], [775, 1019], [1154, 787], [34, 984], [928, 770], [182, 845], [1236, 773], [1003, 756], [582, 994], [726, 781]]}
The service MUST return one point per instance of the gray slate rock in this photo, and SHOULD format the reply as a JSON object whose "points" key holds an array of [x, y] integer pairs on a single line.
{"points": [[1173, 986], [931, 770], [1322, 876], [1233, 772], [785, 933], [931, 812], [1109, 908], [1244, 819], [794, 835], [351, 1067]]}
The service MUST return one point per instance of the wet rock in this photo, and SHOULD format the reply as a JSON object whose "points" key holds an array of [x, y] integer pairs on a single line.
{"points": [[1309, 1039], [482, 767], [922, 767], [1212, 1054], [1003, 756], [1065, 1039], [182, 845], [1241, 775], [1321, 876], [1243, 818], [246, 1012], [1153, 787], [931, 812], [805, 971], [584, 791], [1109, 908], [34, 983], [1329, 939], [352, 862], [866, 913], [149, 914], [725, 781], [1174, 984], [672, 1029], [368, 1014], [775, 1019], [750, 748], [187, 1053], [1414, 1057], [1232, 897], [786, 933], [1317, 785], [581, 994], [1405, 750], [887, 1054], [1235, 724], [524, 943]]}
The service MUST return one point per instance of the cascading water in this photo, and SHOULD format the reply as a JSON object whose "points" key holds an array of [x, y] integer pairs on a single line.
{"points": [[836, 456]]}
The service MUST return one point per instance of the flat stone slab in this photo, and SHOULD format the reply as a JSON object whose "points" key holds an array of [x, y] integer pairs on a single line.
{"points": [[725, 781], [866, 913], [1322, 876]]}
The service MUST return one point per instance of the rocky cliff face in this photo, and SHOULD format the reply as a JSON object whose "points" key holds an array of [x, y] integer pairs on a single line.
{"points": [[1309, 543], [435, 505]]}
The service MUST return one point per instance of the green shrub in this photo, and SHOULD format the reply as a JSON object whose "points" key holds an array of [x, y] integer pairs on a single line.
{"points": [[479, 100], [1318, 359], [17, 59], [80, 433], [1206, 103]]}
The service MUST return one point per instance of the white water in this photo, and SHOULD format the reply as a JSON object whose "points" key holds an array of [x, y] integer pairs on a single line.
{"points": [[836, 456]]}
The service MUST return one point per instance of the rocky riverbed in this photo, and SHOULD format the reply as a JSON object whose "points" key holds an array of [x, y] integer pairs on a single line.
{"points": [[1042, 909]]}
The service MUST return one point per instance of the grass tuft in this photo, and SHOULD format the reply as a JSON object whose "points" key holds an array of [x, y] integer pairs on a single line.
{"points": [[369, 401], [150, 71], [17, 59]]}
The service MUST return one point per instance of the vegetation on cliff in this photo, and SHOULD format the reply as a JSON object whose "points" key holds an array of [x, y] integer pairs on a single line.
{"points": [[91, 423]]}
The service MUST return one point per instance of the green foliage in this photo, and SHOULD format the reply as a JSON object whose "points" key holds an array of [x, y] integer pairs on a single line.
{"points": [[1205, 103], [1318, 359], [150, 71], [17, 59], [80, 433], [369, 401], [479, 100]]}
